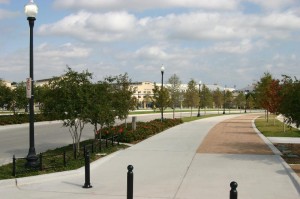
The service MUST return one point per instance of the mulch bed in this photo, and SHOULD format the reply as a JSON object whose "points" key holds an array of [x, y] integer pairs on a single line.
{"points": [[291, 152]]}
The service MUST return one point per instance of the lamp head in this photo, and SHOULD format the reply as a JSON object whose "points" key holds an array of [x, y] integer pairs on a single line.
{"points": [[162, 69], [200, 82], [31, 9]]}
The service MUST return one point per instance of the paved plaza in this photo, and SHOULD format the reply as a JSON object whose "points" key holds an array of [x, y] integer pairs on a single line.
{"points": [[194, 160]]}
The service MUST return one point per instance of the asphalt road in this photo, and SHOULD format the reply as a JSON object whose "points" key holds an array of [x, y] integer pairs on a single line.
{"points": [[14, 139]]}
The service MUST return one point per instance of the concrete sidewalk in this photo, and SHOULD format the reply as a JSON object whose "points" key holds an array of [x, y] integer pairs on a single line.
{"points": [[172, 165]]}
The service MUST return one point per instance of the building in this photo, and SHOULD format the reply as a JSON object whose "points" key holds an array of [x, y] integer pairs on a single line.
{"points": [[143, 91]]}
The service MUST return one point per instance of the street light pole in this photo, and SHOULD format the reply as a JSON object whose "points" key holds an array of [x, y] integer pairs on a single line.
{"points": [[198, 115], [31, 11], [162, 69]]}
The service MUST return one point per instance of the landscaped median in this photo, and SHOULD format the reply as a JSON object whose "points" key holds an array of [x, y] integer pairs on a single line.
{"points": [[275, 128], [66, 158]]}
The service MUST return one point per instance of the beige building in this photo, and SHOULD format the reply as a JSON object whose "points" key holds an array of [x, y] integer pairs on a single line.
{"points": [[143, 91]]}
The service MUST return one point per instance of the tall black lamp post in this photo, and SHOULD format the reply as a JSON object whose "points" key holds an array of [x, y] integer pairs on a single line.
{"points": [[198, 115], [162, 69], [224, 100], [31, 11]]}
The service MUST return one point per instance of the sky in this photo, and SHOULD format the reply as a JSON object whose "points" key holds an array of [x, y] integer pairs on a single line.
{"points": [[225, 42]]}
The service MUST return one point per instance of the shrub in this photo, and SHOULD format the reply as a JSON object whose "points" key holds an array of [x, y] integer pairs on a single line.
{"points": [[143, 130]]}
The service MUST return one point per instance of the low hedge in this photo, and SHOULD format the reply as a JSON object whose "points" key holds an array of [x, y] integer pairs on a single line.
{"points": [[143, 130], [22, 118]]}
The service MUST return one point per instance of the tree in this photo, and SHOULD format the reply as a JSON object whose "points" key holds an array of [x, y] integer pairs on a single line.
{"points": [[290, 103], [191, 95], [122, 95], [147, 100], [6, 97], [262, 90], [67, 98], [161, 98], [274, 96], [228, 99], [19, 96], [99, 107], [218, 98], [206, 97], [174, 90], [240, 101]]}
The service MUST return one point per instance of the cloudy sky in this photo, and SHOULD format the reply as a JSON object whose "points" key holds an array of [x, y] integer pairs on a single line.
{"points": [[228, 42]]}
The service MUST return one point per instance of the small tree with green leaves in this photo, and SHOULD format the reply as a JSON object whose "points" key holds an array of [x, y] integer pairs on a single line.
{"points": [[67, 98], [218, 98], [290, 104], [161, 98], [191, 95], [6, 95], [174, 90]]}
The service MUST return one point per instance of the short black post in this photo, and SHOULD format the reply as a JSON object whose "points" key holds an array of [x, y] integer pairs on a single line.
{"points": [[14, 166], [93, 147], [100, 145], [87, 183], [41, 162], [233, 191], [65, 162], [84, 151], [118, 139], [106, 142], [130, 182], [112, 140]]}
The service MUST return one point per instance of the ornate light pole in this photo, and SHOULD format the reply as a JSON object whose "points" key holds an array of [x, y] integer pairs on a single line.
{"points": [[162, 69], [31, 11], [198, 115]]}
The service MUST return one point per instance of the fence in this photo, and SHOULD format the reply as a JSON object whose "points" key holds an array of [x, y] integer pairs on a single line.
{"points": [[58, 162]]}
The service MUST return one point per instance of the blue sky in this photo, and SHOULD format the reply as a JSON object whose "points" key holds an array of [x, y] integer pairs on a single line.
{"points": [[230, 42]]}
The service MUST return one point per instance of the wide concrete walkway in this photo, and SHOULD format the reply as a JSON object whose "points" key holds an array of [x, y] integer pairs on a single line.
{"points": [[194, 160]]}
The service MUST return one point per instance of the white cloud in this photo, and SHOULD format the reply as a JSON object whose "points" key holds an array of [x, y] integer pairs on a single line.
{"points": [[152, 52], [143, 5], [232, 47], [67, 50], [92, 27], [286, 20], [274, 4], [4, 14], [116, 26]]}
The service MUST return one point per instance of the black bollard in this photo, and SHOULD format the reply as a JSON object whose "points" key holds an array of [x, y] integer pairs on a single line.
{"points": [[93, 147], [87, 183], [14, 166], [130, 182], [233, 191]]}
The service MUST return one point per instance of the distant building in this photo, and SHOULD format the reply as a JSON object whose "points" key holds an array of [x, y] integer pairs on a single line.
{"points": [[143, 91]]}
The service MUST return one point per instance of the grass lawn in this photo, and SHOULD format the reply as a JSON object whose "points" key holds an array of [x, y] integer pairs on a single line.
{"points": [[193, 118], [274, 128], [53, 160]]}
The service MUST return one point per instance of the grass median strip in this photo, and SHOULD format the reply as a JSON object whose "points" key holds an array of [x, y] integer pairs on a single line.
{"points": [[275, 128]]}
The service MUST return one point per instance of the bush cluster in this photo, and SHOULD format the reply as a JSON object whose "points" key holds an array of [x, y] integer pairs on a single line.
{"points": [[22, 118], [143, 130]]}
